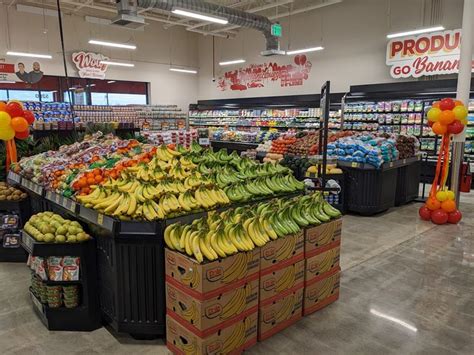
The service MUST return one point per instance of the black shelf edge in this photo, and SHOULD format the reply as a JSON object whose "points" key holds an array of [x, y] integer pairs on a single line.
{"points": [[32, 187], [36, 248]]}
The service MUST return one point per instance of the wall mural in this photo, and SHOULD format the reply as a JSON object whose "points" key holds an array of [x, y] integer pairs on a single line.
{"points": [[262, 75]]}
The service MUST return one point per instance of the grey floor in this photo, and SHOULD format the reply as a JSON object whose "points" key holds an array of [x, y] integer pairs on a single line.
{"points": [[407, 287]]}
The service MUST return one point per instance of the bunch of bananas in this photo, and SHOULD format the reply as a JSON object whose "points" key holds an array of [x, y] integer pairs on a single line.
{"points": [[237, 230], [167, 186]]}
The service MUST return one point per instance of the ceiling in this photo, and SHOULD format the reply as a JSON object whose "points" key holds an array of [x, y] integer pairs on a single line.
{"points": [[274, 9]]}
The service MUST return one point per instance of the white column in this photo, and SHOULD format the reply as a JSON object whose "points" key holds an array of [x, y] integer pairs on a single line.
{"points": [[463, 89]]}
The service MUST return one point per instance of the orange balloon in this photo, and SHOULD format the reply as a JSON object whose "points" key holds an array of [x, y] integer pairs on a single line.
{"points": [[433, 204], [446, 117], [448, 206], [458, 103], [439, 128], [3, 106], [435, 104], [19, 124]]}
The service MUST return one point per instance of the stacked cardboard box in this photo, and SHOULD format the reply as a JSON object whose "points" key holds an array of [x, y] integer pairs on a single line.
{"points": [[212, 307], [281, 284], [322, 270]]}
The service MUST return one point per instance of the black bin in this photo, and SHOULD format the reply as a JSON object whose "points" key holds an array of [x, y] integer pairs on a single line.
{"points": [[408, 182]]}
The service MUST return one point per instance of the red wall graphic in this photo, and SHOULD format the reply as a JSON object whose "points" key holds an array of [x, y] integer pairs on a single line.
{"points": [[259, 75]]}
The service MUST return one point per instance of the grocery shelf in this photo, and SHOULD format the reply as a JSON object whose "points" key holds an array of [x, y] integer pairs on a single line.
{"points": [[62, 201], [14, 178], [386, 166]]}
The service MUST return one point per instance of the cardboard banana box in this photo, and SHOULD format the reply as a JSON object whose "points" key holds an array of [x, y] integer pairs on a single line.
{"points": [[287, 249], [319, 293], [279, 282], [318, 236], [231, 339], [204, 317], [323, 262], [207, 280], [274, 316]]}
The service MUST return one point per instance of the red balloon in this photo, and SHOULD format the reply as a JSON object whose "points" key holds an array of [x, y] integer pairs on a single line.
{"points": [[446, 104], [424, 213], [14, 109], [297, 59], [303, 60], [29, 116], [22, 135], [454, 217], [439, 216], [456, 127]]}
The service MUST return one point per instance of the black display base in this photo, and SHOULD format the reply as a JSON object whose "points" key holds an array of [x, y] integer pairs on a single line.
{"points": [[13, 255]]}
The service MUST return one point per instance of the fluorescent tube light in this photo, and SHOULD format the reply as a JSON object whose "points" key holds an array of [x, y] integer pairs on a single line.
{"points": [[110, 81], [230, 62], [190, 71], [7, 82], [91, 85], [305, 50], [199, 16], [119, 64], [31, 55], [393, 319], [415, 32], [112, 44]]}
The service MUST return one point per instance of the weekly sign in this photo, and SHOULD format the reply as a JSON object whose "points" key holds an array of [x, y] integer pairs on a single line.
{"points": [[427, 54]]}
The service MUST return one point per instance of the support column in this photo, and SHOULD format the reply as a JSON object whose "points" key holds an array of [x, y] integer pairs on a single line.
{"points": [[463, 91]]}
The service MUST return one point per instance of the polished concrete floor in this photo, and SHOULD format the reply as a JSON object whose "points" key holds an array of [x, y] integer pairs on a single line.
{"points": [[407, 287]]}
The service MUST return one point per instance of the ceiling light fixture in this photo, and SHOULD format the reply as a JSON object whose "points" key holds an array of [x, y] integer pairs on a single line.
{"points": [[305, 50], [199, 16], [189, 71], [91, 85], [112, 44], [416, 32], [230, 62], [7, 82], [119, 64], [110, 81], [31, 55]]}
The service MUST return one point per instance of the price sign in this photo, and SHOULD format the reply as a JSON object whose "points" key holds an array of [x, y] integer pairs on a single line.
{"points": [[11, 240], [49, 195], [100, 219], [58, 198], [27, 241], [204, 141], [37, 303], [70, 205], [354, 164], [14, 177]]}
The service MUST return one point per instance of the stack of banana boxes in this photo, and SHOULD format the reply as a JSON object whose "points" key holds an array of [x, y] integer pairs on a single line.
{"points": [[226, 305]]}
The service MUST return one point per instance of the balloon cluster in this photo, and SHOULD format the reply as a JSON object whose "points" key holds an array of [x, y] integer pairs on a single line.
{"points": [[14, 121], [447, 116], [441, 208]]}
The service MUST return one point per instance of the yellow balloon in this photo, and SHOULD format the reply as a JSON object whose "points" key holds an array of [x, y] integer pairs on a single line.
{"points": [[7, 133], [460, 112], [5, 120], [464, 121], [433, 114]]}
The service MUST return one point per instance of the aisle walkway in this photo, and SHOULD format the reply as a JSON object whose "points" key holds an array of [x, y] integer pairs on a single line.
{"points": [[407, 287]]}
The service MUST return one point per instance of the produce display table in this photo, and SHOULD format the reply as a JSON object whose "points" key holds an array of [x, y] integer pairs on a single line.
{"points": [[231, 146], [130, 264], [370, 190]]}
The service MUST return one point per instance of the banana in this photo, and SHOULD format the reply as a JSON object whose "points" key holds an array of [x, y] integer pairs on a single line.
{"points": [[196, 249], [206, 249], [91, 197], [122, 208], [132, 204], [159, 211], [212, 238], [167, 236], [268, 228], [114, 204]]}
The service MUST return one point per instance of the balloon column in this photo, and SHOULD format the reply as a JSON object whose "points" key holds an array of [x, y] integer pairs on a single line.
{"points": [[445, 117], [14, 123]]}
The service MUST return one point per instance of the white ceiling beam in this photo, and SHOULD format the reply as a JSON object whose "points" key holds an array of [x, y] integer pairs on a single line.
{"points": [[88, 2], [284, 14]]}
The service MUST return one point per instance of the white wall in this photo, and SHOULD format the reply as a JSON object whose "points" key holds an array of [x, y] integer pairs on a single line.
{"points": [[156, 48], [352, 32]]}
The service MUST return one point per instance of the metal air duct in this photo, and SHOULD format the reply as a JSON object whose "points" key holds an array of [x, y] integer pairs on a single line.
{"points": [[233, 16]]}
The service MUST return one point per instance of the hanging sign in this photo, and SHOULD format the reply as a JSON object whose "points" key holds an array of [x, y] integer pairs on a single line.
{"points": [[28, 71], [267, 74], [426, 54], [89, 64]]}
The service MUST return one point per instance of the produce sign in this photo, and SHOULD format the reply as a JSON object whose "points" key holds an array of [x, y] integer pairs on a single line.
{"points": [[89, 64], [243, 229], [426, 54], [446, 117], [259, 75]]}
